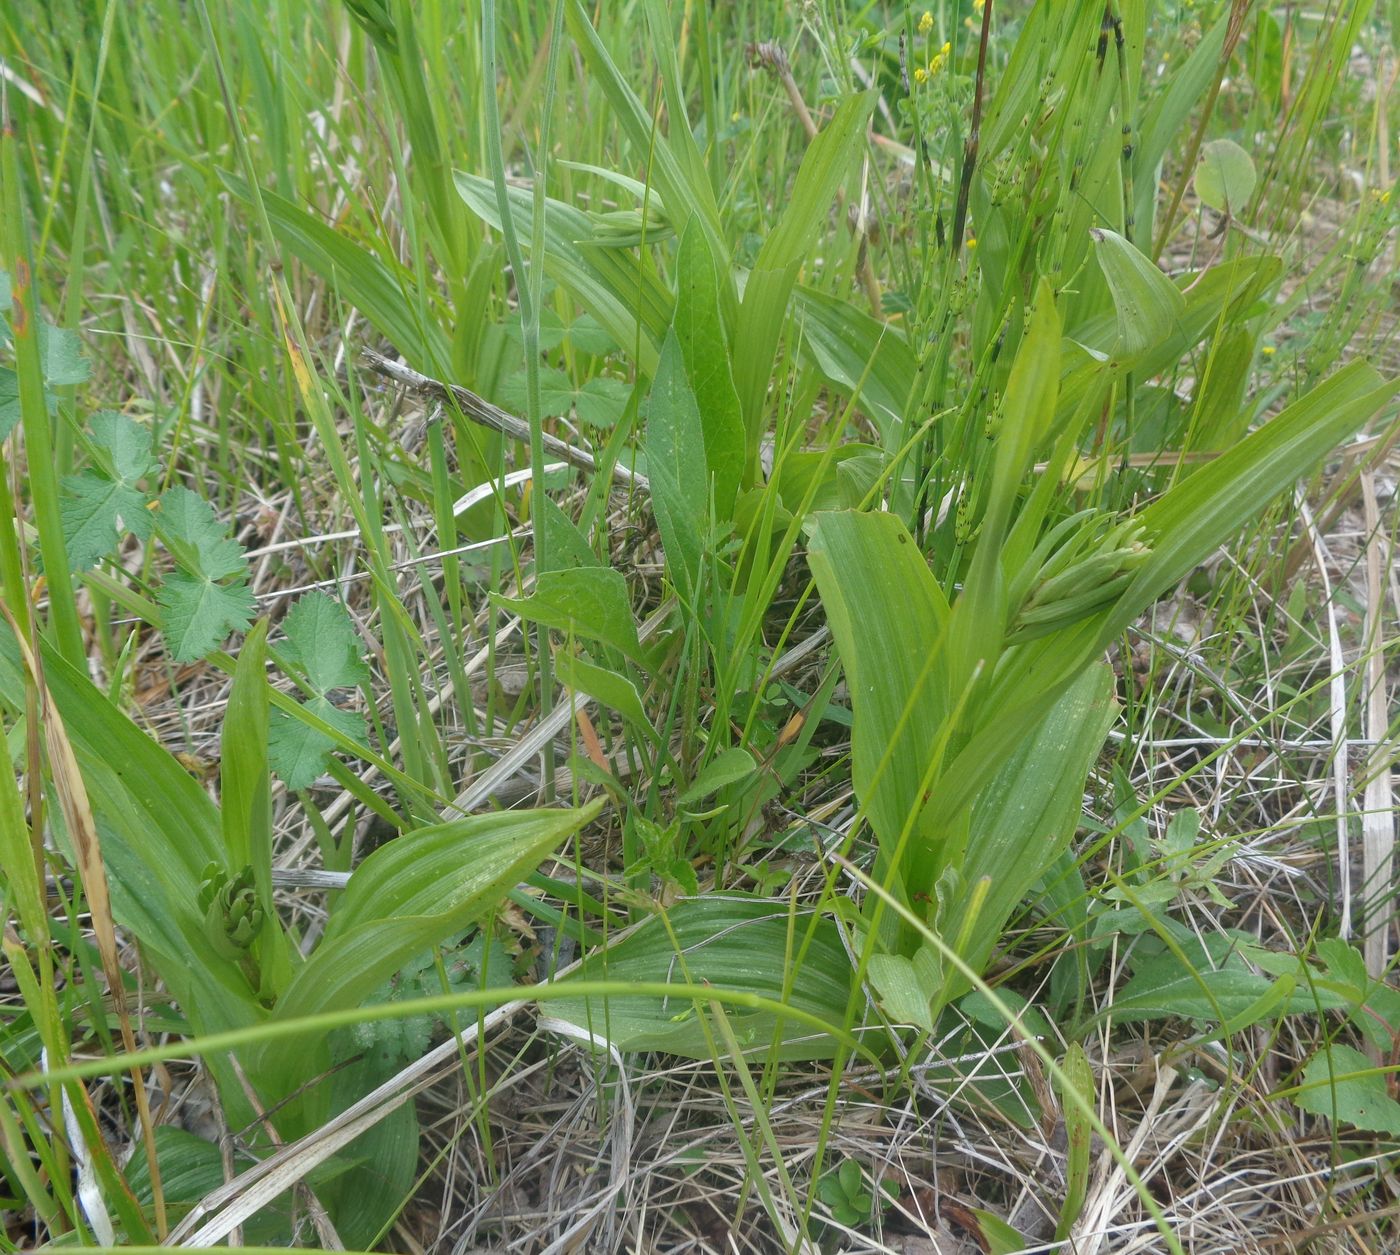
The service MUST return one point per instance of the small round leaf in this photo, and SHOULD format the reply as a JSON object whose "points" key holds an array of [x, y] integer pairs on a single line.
{"points": [[1225, 176]]}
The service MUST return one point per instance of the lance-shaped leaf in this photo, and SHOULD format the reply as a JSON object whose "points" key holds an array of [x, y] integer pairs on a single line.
{"points": [[675, 448], [1150, 306], [409, 895]]}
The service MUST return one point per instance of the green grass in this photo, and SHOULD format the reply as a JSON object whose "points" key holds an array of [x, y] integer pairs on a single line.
{"points": [[945, 715]]}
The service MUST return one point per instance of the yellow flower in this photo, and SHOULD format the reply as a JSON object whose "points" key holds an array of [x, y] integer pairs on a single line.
{"points": [[979, 5], [972, 241], [946, 49], [926, 23], [1268, 350], [920, 74]]}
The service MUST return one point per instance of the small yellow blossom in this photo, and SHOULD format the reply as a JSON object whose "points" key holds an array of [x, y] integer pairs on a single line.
{"points": [[967, 21], [1268, 350], [972, 241], [979, 5], [920, 74], [926, 23]]}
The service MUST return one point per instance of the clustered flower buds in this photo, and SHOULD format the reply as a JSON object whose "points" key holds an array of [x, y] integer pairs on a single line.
{"points": [[233, 916], [1081, 575]]}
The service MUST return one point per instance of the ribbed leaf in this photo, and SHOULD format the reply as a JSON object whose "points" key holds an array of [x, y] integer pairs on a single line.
{"points": [[888, 617], [1149, 305], [732, 943], [409, 895], [675, 448], [699, 330], [865, 358]]}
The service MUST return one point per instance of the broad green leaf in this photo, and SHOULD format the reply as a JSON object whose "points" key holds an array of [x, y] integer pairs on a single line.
{"points": [[732, 943], [98, 506], [903, 994], [764, 310], [1342, 1084], [413, 892], [127, 445], [96, 511], [726, 768], [9, 401], [383, 296], [608, 687], [1168, 113], [1217, 984], [998, 1237], [587, 602], [1210, 506], [979, 619], [1219, 295], [1025, 818], [322, 641], [704, 347], [159, 830], [888, 617], [1225, 176], [1184, 526], [588, 336], [865, 358], [1162, 988], [189, 1166], [564, 543], [384, 1161], [1221, 415], [1150, 306], [600, 402], [675, 449]]}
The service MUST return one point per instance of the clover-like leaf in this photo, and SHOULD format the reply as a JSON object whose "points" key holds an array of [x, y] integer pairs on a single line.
{"points": [[322, 641], [190, 519], [297, 751], [199, 612], [97, 508]]}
